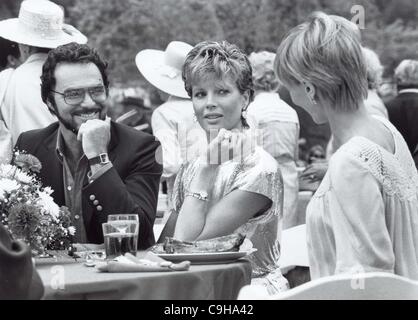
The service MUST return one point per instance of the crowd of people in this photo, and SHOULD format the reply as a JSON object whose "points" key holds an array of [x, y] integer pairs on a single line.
{"points": [[224, 144]]}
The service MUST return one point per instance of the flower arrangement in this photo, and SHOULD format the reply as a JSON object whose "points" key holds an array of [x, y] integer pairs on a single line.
{"points": [[27, 209]]}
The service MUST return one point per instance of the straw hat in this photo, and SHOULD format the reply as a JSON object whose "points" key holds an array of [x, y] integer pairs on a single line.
{"points": [[40, 24], [163, 68]]}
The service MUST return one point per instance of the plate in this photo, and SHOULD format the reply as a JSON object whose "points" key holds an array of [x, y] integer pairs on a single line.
{"points": [[206, 258]]}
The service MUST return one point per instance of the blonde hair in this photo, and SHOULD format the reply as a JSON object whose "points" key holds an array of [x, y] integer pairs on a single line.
{"points": [[264, 77], [326, 52], [349, 24], [374, 68], [219, 59], [406, 73]]}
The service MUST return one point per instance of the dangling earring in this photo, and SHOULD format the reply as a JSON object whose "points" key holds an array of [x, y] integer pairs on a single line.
{"points": [[194, 117], [244, 114], [244, 119]]}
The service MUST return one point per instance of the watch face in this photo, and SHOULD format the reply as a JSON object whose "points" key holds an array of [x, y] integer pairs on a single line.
{"points": [[104, 158]]}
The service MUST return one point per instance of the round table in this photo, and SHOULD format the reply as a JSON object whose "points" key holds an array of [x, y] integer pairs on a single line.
{"points": [[73, 280]]}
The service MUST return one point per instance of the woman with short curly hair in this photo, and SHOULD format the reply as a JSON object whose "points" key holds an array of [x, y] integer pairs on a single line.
{"points": [[234, 187]]}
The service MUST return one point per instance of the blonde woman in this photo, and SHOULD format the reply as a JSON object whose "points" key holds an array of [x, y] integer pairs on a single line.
{"points": [[241, 192], [364, 215], [373, 104]]}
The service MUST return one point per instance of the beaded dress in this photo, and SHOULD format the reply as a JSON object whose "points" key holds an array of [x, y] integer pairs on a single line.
{"points": [[258, 173]]}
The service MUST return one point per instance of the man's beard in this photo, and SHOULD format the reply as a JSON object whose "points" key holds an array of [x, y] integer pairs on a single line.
{"points": [[71, 125]]}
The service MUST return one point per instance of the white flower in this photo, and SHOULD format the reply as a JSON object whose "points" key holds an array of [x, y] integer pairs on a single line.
{"points": [[48, 190], [7, 170], [71, 230], [46, 201], [23, 177], [8, 185]]}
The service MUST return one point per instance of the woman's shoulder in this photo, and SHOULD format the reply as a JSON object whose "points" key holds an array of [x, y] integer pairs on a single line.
{"points": [[359, 153], [361, 156]]}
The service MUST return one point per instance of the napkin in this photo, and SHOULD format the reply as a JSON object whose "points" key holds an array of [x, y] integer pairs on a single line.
{"points": [[143, 262]]}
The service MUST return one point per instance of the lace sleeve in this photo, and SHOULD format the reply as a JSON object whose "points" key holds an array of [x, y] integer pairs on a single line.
{"points": [[357, 212]]}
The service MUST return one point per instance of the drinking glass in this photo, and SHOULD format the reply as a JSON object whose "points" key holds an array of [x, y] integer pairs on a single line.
{"points": [[130, 217], [120, 237], [113, 217]]}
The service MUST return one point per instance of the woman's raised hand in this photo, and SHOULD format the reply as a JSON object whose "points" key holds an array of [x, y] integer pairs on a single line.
{"points": [[230, 145]]}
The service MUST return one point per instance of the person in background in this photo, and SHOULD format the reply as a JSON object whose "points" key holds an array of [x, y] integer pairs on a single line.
{"points": [[129, 109], [9, 54], [364, 215], [38, 28], [172, 122], [19, 279], [235, 186], [9, 60], [403, 109], [373, 103], [279, 126]]}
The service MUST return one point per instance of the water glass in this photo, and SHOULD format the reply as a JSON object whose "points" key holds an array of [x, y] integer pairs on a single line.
{"points": [[120, 237]]}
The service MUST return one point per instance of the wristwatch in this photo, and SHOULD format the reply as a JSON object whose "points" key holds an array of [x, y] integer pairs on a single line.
{"points": [[100, 159], [202, 195]]}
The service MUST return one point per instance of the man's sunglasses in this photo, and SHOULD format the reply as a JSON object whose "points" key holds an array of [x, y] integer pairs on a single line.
{"points": [[76, 96]]}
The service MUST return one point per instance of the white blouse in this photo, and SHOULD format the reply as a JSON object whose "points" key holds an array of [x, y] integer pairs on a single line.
{"points": [[364, 215]]}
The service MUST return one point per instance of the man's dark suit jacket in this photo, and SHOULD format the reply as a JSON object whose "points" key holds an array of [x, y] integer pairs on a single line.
{"points": [[403, 113], [130, 186]]}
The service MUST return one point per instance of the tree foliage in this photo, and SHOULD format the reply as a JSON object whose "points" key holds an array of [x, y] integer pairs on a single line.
{"points": [[121, 28]]}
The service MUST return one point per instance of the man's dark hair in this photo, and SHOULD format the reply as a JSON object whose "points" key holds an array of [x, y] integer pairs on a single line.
{"points": [[7, 48], [73, 53]]}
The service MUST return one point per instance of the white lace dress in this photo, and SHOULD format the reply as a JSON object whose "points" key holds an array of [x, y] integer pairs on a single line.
{"points": [[364, 215]]}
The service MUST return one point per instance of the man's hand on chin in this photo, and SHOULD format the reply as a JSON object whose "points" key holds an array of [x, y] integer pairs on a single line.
{"points": [[94, 136]]}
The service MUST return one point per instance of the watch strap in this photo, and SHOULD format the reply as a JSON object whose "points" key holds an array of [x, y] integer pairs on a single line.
{"points": [[102, 158]]}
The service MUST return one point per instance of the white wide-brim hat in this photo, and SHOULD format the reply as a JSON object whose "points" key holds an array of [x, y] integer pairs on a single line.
{"points": [[163, 68], [40, 24]]}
